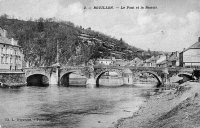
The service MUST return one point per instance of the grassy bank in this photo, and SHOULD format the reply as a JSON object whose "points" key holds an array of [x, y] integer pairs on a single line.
{"points": [[169, 109]]}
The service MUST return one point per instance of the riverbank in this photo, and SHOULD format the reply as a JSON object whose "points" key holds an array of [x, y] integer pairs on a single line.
{"points": [[172, 108]]}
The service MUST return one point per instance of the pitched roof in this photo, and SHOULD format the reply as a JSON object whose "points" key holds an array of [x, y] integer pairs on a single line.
{"points": [[7, 41], [173, 57], [4, 40], [153, 58], [162, 62], [196, 45]]}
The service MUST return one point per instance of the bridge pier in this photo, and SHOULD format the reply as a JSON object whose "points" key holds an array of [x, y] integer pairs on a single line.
{"points": [[127, 77], [58, 75], [128, 80], [91, 82], [53, 79]]}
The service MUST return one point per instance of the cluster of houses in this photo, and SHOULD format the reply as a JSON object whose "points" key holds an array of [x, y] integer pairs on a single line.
{"points": [[163, 60], [189, 58]]}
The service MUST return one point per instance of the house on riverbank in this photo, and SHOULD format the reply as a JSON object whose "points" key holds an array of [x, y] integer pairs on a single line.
{"points": [[111, 61], [136, 62], [173, 59], [190, 57], [105, 61], [151, 62], [11, 54]]}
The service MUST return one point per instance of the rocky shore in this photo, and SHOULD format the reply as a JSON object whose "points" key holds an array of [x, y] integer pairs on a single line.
{"points": [[11, 85], [175, 108]]}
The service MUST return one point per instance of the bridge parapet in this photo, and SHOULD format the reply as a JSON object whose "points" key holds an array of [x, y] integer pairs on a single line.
{"points": [[47, 71], [81, 70]]}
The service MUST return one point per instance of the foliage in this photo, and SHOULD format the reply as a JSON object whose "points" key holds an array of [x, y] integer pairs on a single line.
{"points": [[39, 39]]}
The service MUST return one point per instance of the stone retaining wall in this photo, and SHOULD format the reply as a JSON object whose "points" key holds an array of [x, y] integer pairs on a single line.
{"points": [[12, 78]]}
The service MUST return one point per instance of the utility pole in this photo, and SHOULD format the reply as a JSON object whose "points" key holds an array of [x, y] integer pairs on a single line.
{"points": [[166, 69], [57, 52], [57, 63]]}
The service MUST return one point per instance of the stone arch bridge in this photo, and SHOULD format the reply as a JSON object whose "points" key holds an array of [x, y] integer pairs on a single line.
{"points": [[60, 76]]}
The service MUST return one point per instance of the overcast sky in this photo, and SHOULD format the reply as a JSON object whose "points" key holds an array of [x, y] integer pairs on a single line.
{"points": [[174, 25]]}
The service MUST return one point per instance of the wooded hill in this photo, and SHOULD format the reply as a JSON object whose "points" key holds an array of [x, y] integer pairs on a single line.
{"points": [[77, 45]]}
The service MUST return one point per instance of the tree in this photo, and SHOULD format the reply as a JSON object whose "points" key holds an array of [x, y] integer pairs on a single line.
{"points": [[40, 25]]}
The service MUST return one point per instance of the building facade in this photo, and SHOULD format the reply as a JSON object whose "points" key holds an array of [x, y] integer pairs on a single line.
{"points": [[151, 62], [161, 61], [105, 61], [173, 59], [112, 61], [11, 53], [190, 57], [136, 62]]}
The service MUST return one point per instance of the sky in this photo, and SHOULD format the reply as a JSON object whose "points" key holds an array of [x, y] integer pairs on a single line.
{"points": [[172, 26]]}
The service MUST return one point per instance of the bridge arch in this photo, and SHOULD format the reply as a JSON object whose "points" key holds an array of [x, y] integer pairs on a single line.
{"points": [[155, 75], [98, 76], [37, 80], [65, 76]]}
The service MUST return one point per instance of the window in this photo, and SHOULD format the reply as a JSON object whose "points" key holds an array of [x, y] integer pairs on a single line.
{"points": [[20, 58], [2, 59], [15, 60], [16, 53], [11, 51], [2, 50], [7, 50], [11, 60], [6, 61]]}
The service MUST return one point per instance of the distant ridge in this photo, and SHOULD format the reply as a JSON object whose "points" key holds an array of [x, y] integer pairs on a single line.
{"points": [[39, 40]]}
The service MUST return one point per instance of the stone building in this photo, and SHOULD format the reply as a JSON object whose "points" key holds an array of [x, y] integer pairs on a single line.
{"points": [[173, 59], [151, 62], [161, 60], [105, 61], [190, 57], [136, 62], [11, 54]]}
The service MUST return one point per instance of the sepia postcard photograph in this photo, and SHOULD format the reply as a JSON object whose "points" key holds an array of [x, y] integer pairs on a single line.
{"points": [[99, 64]]}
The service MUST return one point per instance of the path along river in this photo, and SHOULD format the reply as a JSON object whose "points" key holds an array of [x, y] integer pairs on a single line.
{"points": [[67, 107]]}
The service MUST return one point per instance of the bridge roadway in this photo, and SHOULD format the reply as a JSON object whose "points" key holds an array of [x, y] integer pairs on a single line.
{"points": [[60, 75]]}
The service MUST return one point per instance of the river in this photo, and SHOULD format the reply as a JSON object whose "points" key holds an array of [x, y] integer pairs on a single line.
{"points": [[67, 107]]}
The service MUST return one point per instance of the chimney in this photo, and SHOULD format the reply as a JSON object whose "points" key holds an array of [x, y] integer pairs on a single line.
{"points": [[12, 41], [4, 33]]}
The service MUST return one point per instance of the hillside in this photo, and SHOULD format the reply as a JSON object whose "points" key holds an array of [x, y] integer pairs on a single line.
{"points": [[77, 45]]}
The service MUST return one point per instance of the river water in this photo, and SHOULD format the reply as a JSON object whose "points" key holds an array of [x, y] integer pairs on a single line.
{"points": [[67, 107]]}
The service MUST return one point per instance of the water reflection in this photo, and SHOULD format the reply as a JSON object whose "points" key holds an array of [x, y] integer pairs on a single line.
{"points": [[65, 107]]}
